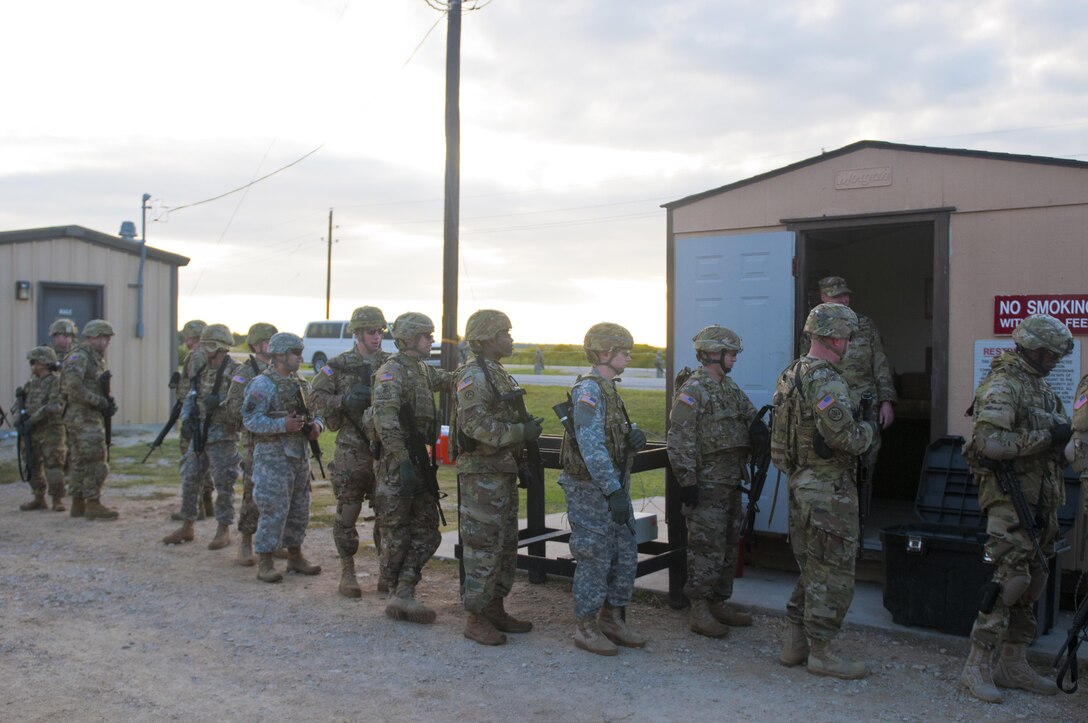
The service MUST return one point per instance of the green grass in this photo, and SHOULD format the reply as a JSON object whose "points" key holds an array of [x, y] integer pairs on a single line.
{"points": [[646, 407]]}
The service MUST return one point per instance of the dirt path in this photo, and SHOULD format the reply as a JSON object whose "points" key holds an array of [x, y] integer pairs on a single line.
{"points": [[100, 621]]}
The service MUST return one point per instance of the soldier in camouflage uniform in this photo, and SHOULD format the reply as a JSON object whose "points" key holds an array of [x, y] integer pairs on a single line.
{"points": [[815, 418], [49, 444], [708, 446], [218, 453], [62, 335], [407, 511], [257, 339], [84, 418], [191, 365], [342, 392], [490, 437], [1018, 420], [1076, 451], [273, 410], [596, 480]]}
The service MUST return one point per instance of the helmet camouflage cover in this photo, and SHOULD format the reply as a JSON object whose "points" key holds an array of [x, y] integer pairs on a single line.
{"points": [[717, 338], [63, 326], [486, 324], [832, 320], [259, 332], [192, 329], [217, 334], [366, 317], [42, 355], [411, 324], [606, 337], [1045, 332], [97, 327], [284, 342]]}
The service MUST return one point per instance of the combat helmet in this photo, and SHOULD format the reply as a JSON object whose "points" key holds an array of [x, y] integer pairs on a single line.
{"points": [[1040, 331], [486, 324], [218, 335], [832, 320], [97, 327], [409, 325], [42, 355], [367, 317], [259, 332], [63, 326], [192, 329], [283, 342], [717, 338], [606, 337]]}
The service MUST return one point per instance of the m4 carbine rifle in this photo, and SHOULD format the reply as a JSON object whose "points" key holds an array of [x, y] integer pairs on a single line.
{"points": [[175, 412], [22, 426], [107, 415], [426, 466], [307, 427], [758, 466], [1006, 479], [1078, 632]]}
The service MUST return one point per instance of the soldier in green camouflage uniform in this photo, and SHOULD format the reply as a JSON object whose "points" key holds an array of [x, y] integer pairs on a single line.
{"points": [[342, 392], [406, 510], [596, 481], [62, 336], [1076, 451], [84, 419], [816, 440], [1019, 420], [190, 365], [257, 339], [489, 437], [49, 444], [708, 446], [218, 442]]}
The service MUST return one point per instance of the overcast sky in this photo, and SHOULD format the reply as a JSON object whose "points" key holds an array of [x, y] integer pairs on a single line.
{"points": [[579, 118]]}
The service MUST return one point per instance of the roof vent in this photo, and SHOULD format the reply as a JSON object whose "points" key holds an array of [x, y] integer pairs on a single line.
{"points": [[128, 231]]}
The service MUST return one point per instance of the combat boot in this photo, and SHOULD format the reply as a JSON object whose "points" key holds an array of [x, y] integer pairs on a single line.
{"points": [[245, 551], [589, 638], [208, 508], [266, 569], [349, 586], [38, 503], [479, 628], [504, 621], [58, 503], [615, 629], [702, 622], [977, 675], [795, 649], [403, 605], [821, 661], [78, 507], [182, 534], [1013, 671], [96, 511], [297, 563], [732, 615], [221, 539], [280, 553]]}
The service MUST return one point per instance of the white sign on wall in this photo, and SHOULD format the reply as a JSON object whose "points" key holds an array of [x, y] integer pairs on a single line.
{"points": [[1063, 380]]}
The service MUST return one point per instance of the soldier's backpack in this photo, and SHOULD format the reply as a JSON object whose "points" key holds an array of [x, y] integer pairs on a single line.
{"points": [[786, 400]]}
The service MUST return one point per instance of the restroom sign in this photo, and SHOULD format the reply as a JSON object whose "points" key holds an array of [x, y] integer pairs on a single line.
{"points": [[1070, 309]]}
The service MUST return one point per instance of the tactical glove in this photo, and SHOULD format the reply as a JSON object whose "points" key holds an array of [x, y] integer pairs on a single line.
{"points": [[358, 399], [212, 401], [690, 495], [532, 429], [619, 504], [410, 483], [1060, 434], [111, 409], [636, 438]]}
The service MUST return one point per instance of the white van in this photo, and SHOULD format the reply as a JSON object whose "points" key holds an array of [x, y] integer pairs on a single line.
{"points": [[325, 339]]}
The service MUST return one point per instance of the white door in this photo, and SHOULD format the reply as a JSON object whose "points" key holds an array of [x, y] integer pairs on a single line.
{"points": [[743, 282]]}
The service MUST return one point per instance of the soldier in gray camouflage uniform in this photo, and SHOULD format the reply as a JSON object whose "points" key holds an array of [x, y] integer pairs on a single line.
{"points": [[48, 441], [190, 365], [86, 409], [407, 511], [708, 446], [489, 437], [257, 339], [273, 411], [342, 391], [596, 480], [815, 417], [1020, 420], [218, 454]]}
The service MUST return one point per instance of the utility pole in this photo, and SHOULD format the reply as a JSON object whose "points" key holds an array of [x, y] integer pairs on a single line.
{"points": [[328, 268], [450, 248]]}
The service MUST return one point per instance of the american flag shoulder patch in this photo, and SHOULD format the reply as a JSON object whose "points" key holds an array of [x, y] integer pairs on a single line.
{"points": [[686, 399], [465, 383], [238, 378], [326, 370], [1081, 401], [588, 400], [386, 377], [825, 402]]}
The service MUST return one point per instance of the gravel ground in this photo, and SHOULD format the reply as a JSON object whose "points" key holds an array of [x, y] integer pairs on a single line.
{"points": [[100, 621]]}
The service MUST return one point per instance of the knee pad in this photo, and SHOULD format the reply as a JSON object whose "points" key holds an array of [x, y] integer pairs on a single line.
{"points": [[347, 514], [988, 595], [1014, 589], [1038, 584]]}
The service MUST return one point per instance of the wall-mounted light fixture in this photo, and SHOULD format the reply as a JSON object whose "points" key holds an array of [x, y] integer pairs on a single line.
{"points": [[22, 291]]}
